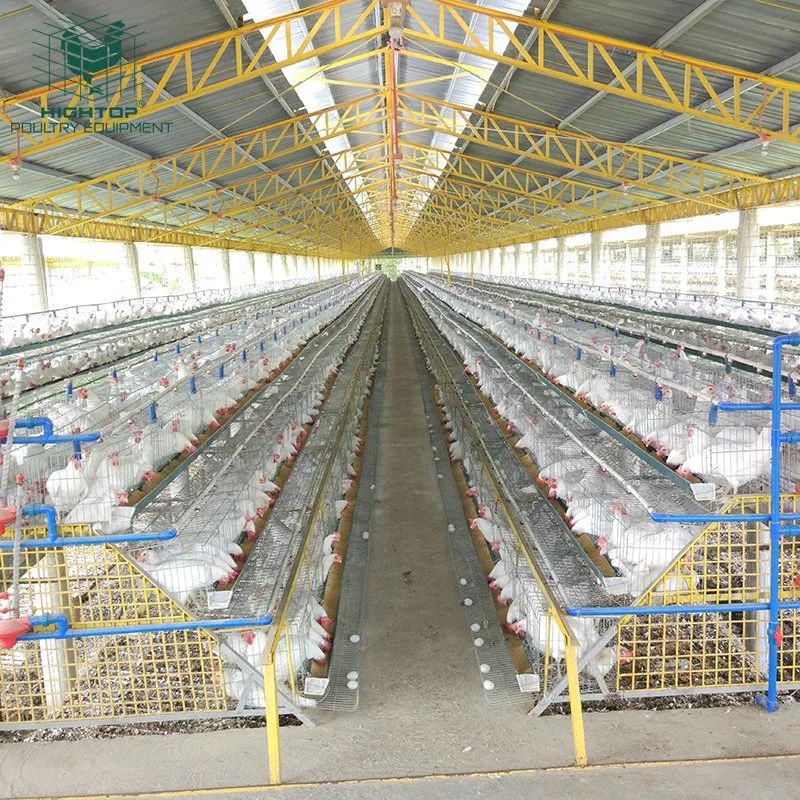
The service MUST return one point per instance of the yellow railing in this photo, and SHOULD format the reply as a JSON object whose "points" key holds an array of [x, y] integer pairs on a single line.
{"points": [[101, 677]]}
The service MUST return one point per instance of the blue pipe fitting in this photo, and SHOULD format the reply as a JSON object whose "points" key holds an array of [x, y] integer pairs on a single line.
{"points": [[65, 631]]}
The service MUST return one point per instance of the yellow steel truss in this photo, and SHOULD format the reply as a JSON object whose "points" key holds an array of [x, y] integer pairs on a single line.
{"points": [[389, 189], [758, 104], [631, 166], [125, 189], [225, 64]]}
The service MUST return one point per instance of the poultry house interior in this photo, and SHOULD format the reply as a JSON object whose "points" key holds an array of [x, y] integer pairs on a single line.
{"points": [[399, 397]]}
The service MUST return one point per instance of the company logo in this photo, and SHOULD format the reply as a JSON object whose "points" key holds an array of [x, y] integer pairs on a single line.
{"points": [[90, 70]]}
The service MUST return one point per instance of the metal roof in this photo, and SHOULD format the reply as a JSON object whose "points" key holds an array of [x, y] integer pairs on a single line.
{"points": [[451, 137]]}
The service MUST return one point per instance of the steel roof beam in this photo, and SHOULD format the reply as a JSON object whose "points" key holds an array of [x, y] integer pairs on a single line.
{"points": [[652, 81]]}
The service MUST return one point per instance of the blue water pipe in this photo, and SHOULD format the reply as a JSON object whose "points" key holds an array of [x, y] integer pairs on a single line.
{"points": [[777, 528], [48, 436], [53, 538], [65, 631]]}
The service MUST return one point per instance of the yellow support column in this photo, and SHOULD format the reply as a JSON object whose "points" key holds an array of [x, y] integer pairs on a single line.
{"points": [[271, 718], [575, 707]]}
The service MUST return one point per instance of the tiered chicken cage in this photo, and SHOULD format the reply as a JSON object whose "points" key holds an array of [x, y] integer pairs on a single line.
{"points": [[656, 465], [151, 510]]}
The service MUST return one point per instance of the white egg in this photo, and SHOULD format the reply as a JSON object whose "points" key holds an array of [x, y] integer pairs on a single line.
{"points": [[352, 675], [462, 581], [478, 642], [365, 535], [475, 627], [436, 458], [355, 638], [434, 449], [451, 528], [485, 668], [488, 685], [467, 601], [439, 475]]}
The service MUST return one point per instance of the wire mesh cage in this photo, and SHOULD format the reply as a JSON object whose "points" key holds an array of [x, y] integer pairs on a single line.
{"points": [[88, 678]]}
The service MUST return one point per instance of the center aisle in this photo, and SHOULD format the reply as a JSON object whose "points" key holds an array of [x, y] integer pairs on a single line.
{"points": [[422, 706], [417, 656]]}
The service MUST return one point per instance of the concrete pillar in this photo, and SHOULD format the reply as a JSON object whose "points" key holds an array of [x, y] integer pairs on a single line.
{"points": [[33, 257], [561, 259], [251, 264], [596, 272], [517, 256], [285, 265], [502, 260], [131, 257], [628, 267], [748, 250], [771, 268], [226, 267], [652, 258], [683, 268], [534, 260], [721, 266], [188, 260], [56, 656]]}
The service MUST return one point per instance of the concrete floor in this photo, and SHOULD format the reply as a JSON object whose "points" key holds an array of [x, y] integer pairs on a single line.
{"points": [[422, 709], [417, 663]]}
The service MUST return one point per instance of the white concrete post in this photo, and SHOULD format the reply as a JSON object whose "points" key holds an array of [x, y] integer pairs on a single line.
{"points": [[251, 263], [131, 255], [534, 262], [628, 267], [33, 257], [188, 260], [771, 268], [721, 266], [57, 656], [683, 251], [748, 250], [652, 258], [561, 259], [226, 266], [517, 256], [596, 276]]}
